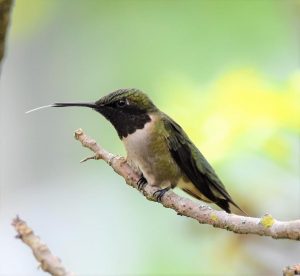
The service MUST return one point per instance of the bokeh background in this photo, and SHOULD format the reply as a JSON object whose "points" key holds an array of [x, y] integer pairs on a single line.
{"points": [[227, 71]]}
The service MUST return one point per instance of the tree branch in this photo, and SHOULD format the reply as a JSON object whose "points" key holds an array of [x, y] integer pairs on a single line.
{"points": [[48, 262], [264, 226]]}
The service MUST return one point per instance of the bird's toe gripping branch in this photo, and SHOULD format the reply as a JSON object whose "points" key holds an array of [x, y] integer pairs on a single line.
{"points": [[160, 193], [141, 184]]}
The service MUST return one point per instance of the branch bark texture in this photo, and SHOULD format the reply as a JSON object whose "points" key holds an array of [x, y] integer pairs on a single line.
{"points": [[264, 226], [48, 262]]}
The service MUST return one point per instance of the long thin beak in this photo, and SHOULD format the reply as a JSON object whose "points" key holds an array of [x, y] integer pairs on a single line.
{"points": [[90, 105]]}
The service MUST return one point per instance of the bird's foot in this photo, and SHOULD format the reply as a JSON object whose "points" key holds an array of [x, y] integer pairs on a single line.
{"points": [[142, 183], [160, 193]]}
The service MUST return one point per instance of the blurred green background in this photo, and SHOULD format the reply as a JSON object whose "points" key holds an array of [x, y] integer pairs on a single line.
{"points": [[227, 71]]}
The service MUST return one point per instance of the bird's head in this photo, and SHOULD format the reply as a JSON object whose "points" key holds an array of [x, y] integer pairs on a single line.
{"points": [[127, 109]]}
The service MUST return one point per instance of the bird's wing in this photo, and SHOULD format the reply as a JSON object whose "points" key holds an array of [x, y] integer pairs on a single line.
{"points": [[195, 166]]}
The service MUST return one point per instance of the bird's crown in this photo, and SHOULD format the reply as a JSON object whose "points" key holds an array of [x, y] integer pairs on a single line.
{"points": [[130, 97]]}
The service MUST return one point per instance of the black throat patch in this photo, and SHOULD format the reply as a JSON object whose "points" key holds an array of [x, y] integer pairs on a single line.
{"points": [[125, 123]]}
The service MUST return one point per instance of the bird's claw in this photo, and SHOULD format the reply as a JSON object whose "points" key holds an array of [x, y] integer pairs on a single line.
{"points": [[141, 183], [160, 193]]}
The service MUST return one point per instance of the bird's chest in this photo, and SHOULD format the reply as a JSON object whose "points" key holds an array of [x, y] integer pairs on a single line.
{"points": [[141, 144], [148, 151], [138, 144]]}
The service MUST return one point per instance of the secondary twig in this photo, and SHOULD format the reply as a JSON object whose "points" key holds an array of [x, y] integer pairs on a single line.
{"points": [[264, 226], [48, 262]]}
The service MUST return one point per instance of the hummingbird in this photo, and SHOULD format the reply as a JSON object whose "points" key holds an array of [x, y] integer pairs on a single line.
{"points": [[158, 148]]}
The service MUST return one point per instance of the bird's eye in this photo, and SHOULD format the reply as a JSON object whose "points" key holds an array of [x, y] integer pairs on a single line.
{"points": [[121, 103]]}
